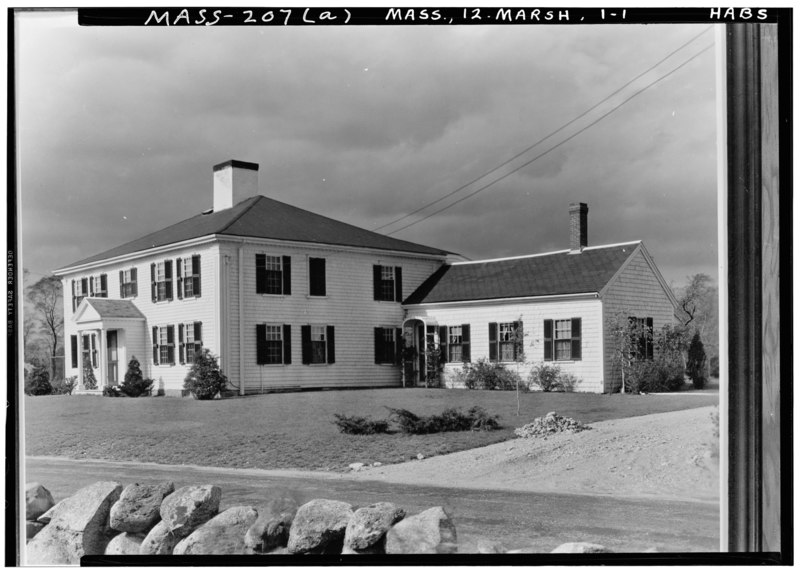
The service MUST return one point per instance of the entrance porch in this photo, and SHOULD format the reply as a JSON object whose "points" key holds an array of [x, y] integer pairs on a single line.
{"points": [[422, 364]]}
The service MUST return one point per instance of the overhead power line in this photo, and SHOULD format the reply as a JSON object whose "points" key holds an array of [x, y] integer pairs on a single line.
{"points": [[551, 134], [544, 153]]}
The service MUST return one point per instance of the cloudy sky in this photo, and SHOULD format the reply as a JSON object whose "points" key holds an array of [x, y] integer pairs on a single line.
{"points": [[119, 129]]}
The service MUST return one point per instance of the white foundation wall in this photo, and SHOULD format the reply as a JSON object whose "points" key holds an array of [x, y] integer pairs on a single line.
{"points": [[348, 305], [204, 308], [589, 370]]}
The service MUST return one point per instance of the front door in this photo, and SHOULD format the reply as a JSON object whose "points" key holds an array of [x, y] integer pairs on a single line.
{"points": [[113, 358]]}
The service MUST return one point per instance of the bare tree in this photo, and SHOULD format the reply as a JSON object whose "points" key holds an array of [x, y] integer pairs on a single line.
{"points": [[46, 297]]}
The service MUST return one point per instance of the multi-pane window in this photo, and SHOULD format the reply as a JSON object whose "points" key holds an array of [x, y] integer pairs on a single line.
{"points": [[316, 277], [562, 339], [190, 336], [273, 274], [80, 289], [127, 283], [161, 280], [387, 283], [188, 277], [90, 353], [318, 344], [98, 286], [164, 345], [273, 344], [641, 329], [386, 344], [454, 342], [507, 342]]}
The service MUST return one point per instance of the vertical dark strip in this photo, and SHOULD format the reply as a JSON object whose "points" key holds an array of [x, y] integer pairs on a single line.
{"points": [[331, 342], [744, 286], [287, 344]]}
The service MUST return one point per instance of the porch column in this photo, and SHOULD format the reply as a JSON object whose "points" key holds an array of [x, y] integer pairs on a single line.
{"points": [[102, 360]]}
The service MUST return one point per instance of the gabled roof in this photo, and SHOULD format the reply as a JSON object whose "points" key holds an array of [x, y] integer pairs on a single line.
{"points": [[559, 273], [267, 218], [110, 308]]}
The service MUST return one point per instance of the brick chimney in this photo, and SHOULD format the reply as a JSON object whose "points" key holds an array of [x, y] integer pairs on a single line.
{"points": [[234, 181], [578, 235]]}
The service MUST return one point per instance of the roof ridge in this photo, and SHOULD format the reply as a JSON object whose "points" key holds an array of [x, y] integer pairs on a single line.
{"points": [[238, 217], [532, 255]]}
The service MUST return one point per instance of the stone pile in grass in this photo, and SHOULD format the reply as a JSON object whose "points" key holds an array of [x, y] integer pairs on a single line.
{"points": [[550, 424]]}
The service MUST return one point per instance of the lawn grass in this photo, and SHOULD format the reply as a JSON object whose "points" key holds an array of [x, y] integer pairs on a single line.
{"points": [[296, 430]]}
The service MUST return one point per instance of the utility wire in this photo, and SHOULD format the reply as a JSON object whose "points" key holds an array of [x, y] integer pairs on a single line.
{"points": [[530, 161], [529, 148]]}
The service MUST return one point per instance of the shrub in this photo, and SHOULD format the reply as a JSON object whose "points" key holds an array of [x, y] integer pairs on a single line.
{"points": [[713, 366], [449, 421], [65, 387], [654, 376], [38, 382], [112, 391], [134, 385], [360, 425], [488, 376], [89, 382], [696, 363], [567, 382], [546, 377], [204, 381]]}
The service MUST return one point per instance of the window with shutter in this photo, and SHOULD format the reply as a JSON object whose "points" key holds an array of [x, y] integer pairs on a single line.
{"points": [[162, 281], [386, 283], [270, 344], [316, 277], [385, 345], [454, 341], [319, 344], [273, 274], [641, 329], [127, 281], [562, 339], [188, 273]]}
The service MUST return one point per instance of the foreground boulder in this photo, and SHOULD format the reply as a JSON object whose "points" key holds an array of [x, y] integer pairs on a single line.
{"points": [[48, 516], [580, 548], [319, 526], [223, 534], [38, 500], [137, 509], [79, 527], [490, 547], [189, 507], [125, 543], [366, 531], [160, 540], [429, 532], [32, 528], [271, 529]]}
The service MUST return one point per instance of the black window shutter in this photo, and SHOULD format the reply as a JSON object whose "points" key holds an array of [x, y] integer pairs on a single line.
{"points": [[198, 338], [316, 268], [576, 338], [155, 345], [519, 336], [398, 346], [73, 350], [287, 275], [331, 344], [261, 273], [179, 274], [121, 284], [104, 284], [443, 342], [376, 282], [548, 339], [398, 284], [168, 277], [378, 336], [465, 352], [287, 344], [135, 285], [196, 275], [261, 344], [171, 343], [91, 286], [181, 346], [73, 295], [493, 354], [84, 286], [305, 343], [153, 289]]}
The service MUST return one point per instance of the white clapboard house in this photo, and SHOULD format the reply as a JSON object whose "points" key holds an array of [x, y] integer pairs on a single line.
{"points": [[290, 299]]}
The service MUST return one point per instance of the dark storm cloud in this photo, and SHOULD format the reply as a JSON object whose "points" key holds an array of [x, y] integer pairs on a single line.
{"points": [[119, 129]]}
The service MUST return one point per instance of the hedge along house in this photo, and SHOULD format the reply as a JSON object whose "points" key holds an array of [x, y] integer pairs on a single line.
{"points": [[556, 308], [286, 298]]}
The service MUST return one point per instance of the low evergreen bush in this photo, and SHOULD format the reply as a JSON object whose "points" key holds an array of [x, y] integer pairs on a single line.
{"points": [[360, 425], [487, 376], [204, 381], [696, 363], [38, 382], [450, 420], [134, 384]]}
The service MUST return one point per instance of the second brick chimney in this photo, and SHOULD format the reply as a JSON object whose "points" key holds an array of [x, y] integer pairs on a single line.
{"points": [[578, 234], [234, 181]]}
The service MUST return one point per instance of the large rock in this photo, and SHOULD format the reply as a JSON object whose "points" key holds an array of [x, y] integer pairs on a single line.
{"points": [[48, 516], [580, 548], [223, 534], [319, 526], [490, 547], [137, 509], [189, 507], [32, 528], [79, 527], [429, 532], [271, 529], [38, 500], [125, 543], [160, 540], [366, 531]]}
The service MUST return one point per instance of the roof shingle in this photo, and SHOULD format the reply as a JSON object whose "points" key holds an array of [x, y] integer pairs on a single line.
{"points": [[538, 275], [115, 308]]}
